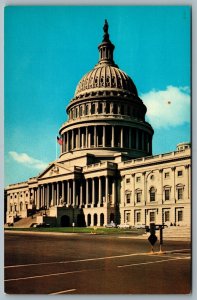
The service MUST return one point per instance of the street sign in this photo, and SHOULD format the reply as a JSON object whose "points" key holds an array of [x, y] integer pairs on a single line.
{"points": [[152, 239]]}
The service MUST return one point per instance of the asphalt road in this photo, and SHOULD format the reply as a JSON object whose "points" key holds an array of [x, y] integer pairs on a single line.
{"points": [[94, 264]]}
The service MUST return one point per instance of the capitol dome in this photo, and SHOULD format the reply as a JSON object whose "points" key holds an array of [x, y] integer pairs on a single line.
{"points": [[106, 117], [105, 76]]}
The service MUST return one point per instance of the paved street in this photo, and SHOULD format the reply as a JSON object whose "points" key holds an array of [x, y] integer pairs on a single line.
{"points": [[93, 264]]}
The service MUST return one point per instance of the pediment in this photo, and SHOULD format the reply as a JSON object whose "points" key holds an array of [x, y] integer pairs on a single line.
{"points": [[55, 169]]}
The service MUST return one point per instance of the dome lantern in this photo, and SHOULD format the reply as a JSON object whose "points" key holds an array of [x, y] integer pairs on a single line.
{"points": [[106, 48]]}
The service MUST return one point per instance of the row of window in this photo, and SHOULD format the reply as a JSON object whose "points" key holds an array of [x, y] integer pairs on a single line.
{"points": [[166, 216], [152, 195], [152, 216], [105, 107], [152, 177], [13, 207], [15, 196]]}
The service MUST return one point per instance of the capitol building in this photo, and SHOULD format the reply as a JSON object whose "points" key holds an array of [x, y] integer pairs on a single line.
{"points": [[106, 171]]}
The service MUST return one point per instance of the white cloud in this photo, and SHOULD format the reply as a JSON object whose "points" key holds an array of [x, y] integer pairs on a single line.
{"points": [[28, 161], [168, 108]]}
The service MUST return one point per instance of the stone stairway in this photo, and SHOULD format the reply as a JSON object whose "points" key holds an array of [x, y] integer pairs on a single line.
{"points": [[26, 222], [177, 232]]}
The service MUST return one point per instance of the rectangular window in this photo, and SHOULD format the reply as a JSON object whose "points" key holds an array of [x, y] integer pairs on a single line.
{"points": [[128, 198], [100, 108], [152, 216], [127, 180], [138, 217], [166, 216], [180, 215], [166, 175], [138, 179], [152, 195], [167, 194], [180, 193], [138, 197], [128, 217], [180, 173]]}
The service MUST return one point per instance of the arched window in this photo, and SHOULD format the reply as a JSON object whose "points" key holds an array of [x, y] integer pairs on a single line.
{"points": [[93, 109], [80, 111], [95, 219], [100, 108], [152, 194], [86, 109], [122, 109], [115, 109], [76, 112], [107, 108]]}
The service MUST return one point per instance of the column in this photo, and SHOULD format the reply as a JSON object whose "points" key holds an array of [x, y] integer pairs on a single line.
{"points": [[95, 139], [63, 192], [96, 107], [113, 134], [121, 137], [104, 136], [47, 198], [93, 192], [161, 187], [35, 197], [143, 190], [38, 198], [68, 193], [173, 185], [86, 137], [82, 140], [89, 139], [87, 193], [106, 189], [111, 108], [81, 194], [67, 144], [114, 192], [79, 138], [100, 192], [52, 194], [58, 194], [133, 190], [74, 193], [119, 109], [187, 183], [42, 196], [72, 143]]}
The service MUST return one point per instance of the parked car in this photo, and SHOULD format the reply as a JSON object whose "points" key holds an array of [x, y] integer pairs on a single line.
{"points": [[140, 226], [110, 225], [37, 225], [124, 226]]}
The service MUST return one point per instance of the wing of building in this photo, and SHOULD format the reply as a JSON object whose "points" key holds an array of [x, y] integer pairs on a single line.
{"points": [[106, 171]]}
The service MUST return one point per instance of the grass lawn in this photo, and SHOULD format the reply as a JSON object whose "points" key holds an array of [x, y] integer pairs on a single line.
{"points": [[98, 230]]}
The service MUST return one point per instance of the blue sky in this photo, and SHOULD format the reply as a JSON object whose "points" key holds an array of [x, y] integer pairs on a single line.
{"points": [[49, 49]]}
